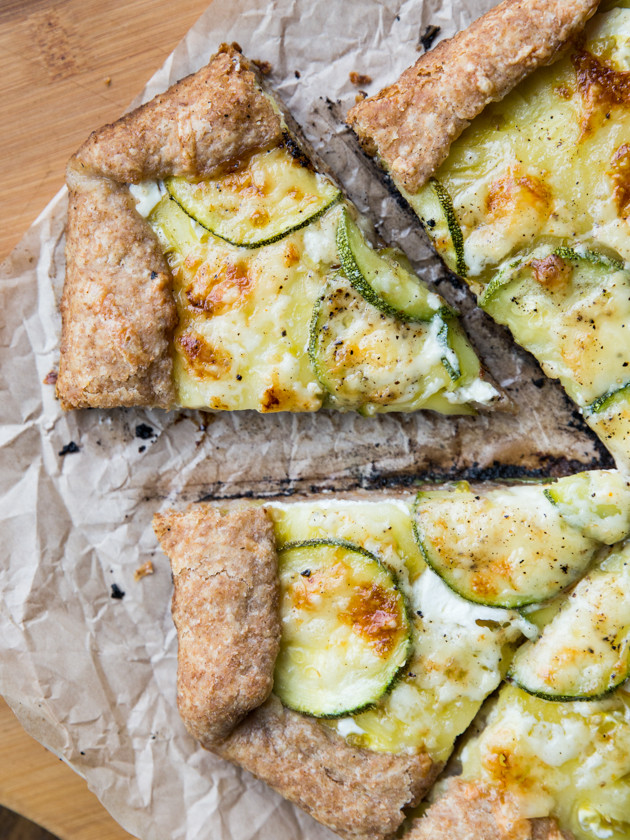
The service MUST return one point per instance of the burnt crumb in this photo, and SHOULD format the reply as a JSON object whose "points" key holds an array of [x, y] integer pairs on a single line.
{"points": [[539, 383], [360, 96], [141, 448], [297, 74], [50, 378], [68, 449], [144, 431], [264, 67], [306, 573], [296, 152], [117, 592], [239, 377], [359, 79], [154, 275], [428, 37]]}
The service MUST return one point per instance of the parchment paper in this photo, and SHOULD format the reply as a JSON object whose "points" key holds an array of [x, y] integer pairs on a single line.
{"points": [[93, 677]]}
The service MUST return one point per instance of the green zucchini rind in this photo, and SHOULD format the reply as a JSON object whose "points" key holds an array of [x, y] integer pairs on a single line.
{"points": [[346, 633], [271, 197], [457, 238], [508, 548], [607, 400], [381, 279], [584, 652]]}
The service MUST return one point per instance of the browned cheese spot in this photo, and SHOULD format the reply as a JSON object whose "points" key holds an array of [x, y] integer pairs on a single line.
{"points": [[620, 175], [216, 290], [271, 399], [513, 189], [202, 360], [375, 614], [552, 272], [291, 255], [601, 87]]}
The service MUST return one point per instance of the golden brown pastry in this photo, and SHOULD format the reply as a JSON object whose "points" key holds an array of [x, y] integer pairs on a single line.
{"points": [[226, 611], [411, 124]]}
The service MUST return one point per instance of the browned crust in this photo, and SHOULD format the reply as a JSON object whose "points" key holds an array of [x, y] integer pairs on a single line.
{"points": [[206, 120], [225, 609], [469, 811], [411, 124], [117, 308], [118, 313], [355, 792]]}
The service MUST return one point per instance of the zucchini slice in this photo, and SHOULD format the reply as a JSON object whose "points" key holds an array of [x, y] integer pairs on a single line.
{"points": [[570, 309], [273, 195], [345, 629], [381, 278], [596, 502], [507, 548], [609, 418], [370, 362], [584, 652]]}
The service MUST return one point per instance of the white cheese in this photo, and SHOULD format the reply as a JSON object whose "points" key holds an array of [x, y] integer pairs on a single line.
{"points": [[439, 604], [147, 194], [347, 726], [477, 392], [320, 242]]}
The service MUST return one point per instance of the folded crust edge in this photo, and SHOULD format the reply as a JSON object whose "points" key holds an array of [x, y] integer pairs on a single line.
{"points": [[411, 124], [226, 612]]}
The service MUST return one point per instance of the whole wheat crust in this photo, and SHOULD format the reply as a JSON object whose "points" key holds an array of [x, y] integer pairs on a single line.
{"points": [[411, 124], [118, 313], [225, 608], [468, 811]]}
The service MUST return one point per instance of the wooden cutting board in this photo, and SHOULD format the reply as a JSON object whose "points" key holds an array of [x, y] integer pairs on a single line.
{"points": [[67, 67]]}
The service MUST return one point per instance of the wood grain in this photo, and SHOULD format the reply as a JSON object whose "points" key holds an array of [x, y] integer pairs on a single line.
{"points": [[37, 784], [67, 67]]}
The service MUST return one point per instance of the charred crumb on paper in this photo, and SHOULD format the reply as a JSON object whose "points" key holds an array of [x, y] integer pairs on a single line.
{"points": [[141, 449], [117, 592], [428, 37], [145, 432], [297, 74], [69, 449], [142, 571], [50, 378]]}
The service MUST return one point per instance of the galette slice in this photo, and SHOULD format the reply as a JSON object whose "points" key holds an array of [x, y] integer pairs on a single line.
{"points": [[210, 264], [319, 650], [530, 204]]}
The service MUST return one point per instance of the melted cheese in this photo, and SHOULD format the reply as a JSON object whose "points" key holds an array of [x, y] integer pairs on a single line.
{"points": [[244, 318], [459, 648], [540, 162], [571, 760]]}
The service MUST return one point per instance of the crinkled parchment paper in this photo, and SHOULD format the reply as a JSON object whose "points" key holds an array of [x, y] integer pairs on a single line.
{"points": [[93, 677]]}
